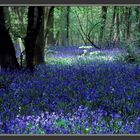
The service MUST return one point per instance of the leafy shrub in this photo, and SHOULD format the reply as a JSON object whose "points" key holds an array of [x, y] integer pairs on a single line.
{"points": [[131, 52]]}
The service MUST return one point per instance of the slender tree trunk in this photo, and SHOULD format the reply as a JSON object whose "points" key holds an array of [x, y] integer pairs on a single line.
{"points": [[71, 38], [112, 24], [137, 9], [103, 17], [128, 22], [7, 51], [123, 22], [118, 24], [65, 26], [137, 19], [68, 24], [56, 40], [50, 26], [137, 28]]}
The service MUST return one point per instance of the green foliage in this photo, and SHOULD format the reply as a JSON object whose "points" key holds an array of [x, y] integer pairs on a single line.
{"points": [[61, 123], [132, 54], [16, 21], [81, 30], [87, 130], [32, 126]]}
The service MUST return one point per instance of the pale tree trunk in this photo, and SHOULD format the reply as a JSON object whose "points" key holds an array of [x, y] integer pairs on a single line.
{"points": [[112, 24], [123, 22], [49, 25], [118, 24]]}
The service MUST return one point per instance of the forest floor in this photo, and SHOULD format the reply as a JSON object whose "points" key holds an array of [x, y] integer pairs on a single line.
{"points": [[75, 92]]}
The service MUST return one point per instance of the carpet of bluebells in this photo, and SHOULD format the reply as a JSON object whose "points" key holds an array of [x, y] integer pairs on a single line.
{"points": [[72, 94]]}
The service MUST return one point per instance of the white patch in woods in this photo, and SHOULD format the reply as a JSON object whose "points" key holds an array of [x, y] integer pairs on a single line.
{"points": [[22, 47]]}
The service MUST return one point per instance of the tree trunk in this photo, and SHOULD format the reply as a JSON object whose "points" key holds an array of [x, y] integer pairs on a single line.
{"points": [[118, 24], [65, 26], [35, 19], [137, 19], [112, 24], [128, 22], [40, 42], [103, 18], [7, 51], [50, 26], [68, 24], [137, 28], [137, 9]]}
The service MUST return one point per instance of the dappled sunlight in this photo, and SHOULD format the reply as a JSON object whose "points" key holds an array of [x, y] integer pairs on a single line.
{"points": [[106, 58], [60, 61], [86, 47], [85, 57]]}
